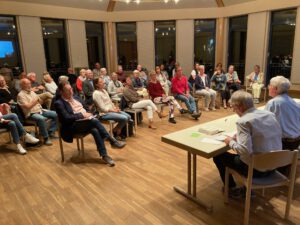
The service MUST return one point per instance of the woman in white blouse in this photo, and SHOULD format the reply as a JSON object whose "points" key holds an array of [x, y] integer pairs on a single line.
{"points": [[106, 108], [163, 80]]}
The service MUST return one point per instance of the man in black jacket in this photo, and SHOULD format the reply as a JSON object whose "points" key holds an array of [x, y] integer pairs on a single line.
{"points": [[75, 117]]}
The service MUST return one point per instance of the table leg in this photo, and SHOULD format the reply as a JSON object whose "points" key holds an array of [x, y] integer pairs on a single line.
{"points": [[192, 192]]}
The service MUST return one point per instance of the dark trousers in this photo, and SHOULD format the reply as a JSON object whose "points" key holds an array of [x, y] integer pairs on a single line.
{"points": [[225, 95], [288, 145], [233, 161], [94, 127]]}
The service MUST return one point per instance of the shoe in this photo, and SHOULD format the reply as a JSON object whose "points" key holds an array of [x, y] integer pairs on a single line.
{"points": [[116, 144], [206, 109], [30, 139], [225, 107], [183, 111], [21, 150], [196, 115], [161, 115], [152, 127], [213, 109], [108, 160], [48, 142], [52, 135], [172, 120]]}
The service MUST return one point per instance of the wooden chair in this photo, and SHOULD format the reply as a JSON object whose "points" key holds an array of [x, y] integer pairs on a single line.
{"points": [[198, 98], [265, 162], [79, 141], [3, 131]]}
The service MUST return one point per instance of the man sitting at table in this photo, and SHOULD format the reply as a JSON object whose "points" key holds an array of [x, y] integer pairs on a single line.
{"points": [[286, 110], [257, 132]]}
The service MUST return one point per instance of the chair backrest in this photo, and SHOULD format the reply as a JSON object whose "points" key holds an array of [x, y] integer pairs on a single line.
{"points": [[274, 159]]}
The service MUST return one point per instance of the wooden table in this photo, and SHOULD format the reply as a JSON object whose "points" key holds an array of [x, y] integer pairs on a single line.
{"points": [[190, 140]]}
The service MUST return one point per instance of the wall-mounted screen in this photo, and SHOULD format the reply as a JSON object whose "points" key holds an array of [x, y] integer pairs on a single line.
{"points": [[6, 49]]}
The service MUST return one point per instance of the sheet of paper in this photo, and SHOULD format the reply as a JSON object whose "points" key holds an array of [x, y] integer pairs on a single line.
{"points": [[210, 141]]}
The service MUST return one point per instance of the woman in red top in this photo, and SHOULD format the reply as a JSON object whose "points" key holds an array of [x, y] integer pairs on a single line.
{"points": [[158, 96]]}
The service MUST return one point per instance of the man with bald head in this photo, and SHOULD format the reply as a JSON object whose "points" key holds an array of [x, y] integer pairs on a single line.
{"points": [[29, 101]]}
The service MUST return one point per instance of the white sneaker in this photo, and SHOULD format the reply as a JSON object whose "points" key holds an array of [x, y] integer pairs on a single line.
{"points": [[30, 139], [21, 150]]}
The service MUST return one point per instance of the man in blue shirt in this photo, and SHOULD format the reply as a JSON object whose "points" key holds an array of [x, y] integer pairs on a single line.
{"points": [[286, 110]]}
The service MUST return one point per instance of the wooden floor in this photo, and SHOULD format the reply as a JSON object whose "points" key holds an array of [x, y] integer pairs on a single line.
{"points": [[38, 189]]}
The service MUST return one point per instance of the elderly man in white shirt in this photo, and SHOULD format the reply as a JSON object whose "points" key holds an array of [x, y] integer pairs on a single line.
{"points": [[257, 132]]}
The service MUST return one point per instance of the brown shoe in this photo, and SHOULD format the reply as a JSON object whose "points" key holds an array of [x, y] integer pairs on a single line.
{"points": [[161, 114]]}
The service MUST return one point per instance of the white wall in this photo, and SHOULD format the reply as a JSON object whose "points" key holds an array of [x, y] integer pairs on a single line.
{"points": [[185, 45], [295, 76], [78, 56], [257, 41], [31, 44], [145, 44]]}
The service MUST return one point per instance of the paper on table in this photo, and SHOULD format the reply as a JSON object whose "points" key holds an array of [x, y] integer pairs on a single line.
{"points": [[229, 134], [210, 141]]}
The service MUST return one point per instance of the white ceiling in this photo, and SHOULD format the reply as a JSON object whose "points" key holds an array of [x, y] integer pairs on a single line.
{"points": [[122, 6]]}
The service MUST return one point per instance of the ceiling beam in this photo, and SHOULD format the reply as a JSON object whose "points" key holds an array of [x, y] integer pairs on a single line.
{"points": [[220, 3], [111, 5]]}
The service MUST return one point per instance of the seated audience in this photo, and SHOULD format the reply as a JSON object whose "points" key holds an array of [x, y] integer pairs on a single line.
{"points": [[286, 110], [29, 101], [105, 76], [218, 80], [107, 110], [192, 78], [50, 85], [135, 101], [88, 87], [115, 88], [180, 90], [139, 84], [257, 132], [163, 80], [17, 81], [45, 97], [11, 122], [72, 76], [176, 66], [121, 74], [233, 82], [164, 72], [219, 66], [256, 82], [143, 74], [5, 92], [75, 118], [202, 86], [79, 81], [97, 70], [158, 96]]}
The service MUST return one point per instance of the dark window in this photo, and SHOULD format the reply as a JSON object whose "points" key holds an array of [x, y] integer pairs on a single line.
{"points": [[95, 43], [281, 43], [127, 45], [55, 45], [237, 44], [9, 47], [205, 42], [165, 43]]}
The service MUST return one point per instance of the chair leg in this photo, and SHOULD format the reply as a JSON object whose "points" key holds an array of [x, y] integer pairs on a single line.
{"points": [[127, 129], [61, 149], [78, 146], [82, 148], [135, 121], [111, 128], [226, 185], [247, 206]]}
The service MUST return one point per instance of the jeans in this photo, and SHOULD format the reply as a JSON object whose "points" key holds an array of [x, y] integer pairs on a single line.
{"points": [[41, 122], [121, 117], [189, 102], [233, 161], [15, 127], [94, 127]]}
